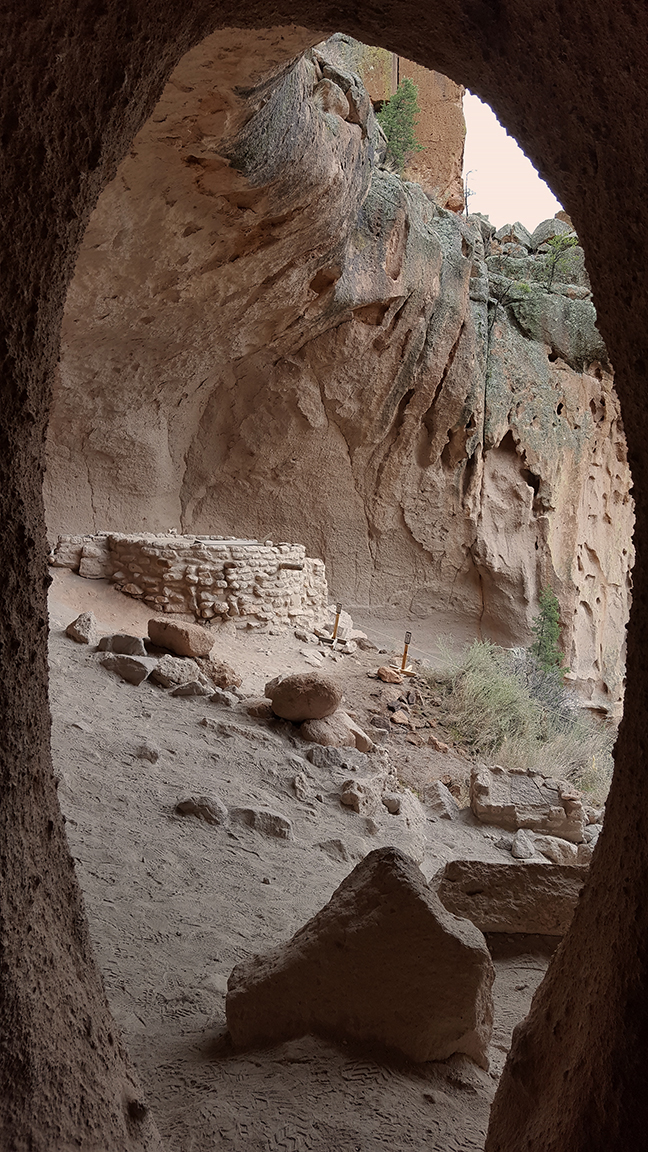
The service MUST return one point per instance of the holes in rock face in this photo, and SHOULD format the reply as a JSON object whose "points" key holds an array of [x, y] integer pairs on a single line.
{"points": [[324, 279], [372, 314], [559, 408], [531, 479], [552, 357], [465, 247]]}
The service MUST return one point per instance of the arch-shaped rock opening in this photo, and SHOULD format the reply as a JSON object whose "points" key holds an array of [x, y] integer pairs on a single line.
{"points": [[575, 1078]]}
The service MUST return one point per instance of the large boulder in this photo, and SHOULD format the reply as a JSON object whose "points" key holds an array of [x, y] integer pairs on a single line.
{"points": [[517, 799], [183, 639], [382, 963], [303, 696], [523, 897]]}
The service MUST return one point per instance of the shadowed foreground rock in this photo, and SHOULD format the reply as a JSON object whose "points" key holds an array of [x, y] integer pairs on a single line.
{"points": [[383, 963], [522, 897]]}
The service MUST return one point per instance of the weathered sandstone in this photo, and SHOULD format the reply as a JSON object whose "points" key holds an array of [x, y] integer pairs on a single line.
{"points": [[432, 420], [523, 897], [183, 639], [383, 963], [517, 799], [303, 695]]}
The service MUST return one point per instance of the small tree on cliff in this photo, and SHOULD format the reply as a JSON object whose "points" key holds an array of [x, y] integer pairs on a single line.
{"points": [[546, 629], [397, 118]]}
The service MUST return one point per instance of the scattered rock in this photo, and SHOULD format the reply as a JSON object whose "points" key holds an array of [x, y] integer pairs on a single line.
{"points": [[437, 744], [221, 674], [332, 757], [361, 796], [336, 850], [392, 802], [207, 808], [302, 787], [382, 963], [389, 675], [505, 843], [519, 799], [183, 639], [303, 696], [584, 853], [592, 833], [338, 730], [262, 709], [174, 670], [382, 722], [192, 688], [523, 847], [123, 644], [524, 897], [366, 645], [148, 751], [306, 637], [440, 799], [269, 823], [400, 717], [227, 699], [557, 850], [84, 629], [135, 669]]}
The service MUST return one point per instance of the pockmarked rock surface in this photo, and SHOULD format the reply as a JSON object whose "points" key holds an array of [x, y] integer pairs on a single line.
{"points": [[386, 379], [303, 695], [517, 799], [519, 897], [383, 964], [84, 629]]}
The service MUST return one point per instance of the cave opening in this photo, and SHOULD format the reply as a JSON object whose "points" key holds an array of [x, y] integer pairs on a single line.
{"points": [[571, 1127]]}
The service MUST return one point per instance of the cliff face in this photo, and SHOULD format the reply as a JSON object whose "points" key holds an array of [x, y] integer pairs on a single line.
{"points": [[440, 126], [268, 334]]}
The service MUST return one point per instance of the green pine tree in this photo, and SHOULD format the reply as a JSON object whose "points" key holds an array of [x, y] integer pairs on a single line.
{"points": [[546, 629], [397, 118]]}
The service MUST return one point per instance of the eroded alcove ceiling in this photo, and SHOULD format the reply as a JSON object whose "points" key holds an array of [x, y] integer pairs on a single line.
{"points": [[270, 332], [77, 83]]}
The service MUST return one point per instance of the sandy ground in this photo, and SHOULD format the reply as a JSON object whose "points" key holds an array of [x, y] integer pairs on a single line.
{"points": [[175, 903]]}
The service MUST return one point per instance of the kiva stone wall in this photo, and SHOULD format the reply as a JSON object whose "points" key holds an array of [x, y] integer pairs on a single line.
{"points": [[252, 583]]}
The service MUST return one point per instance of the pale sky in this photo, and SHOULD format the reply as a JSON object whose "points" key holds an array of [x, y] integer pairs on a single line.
{"points": [[506, 185]]}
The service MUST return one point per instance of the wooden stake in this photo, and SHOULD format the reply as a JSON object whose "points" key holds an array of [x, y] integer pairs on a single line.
{"points": [[408, 638]]}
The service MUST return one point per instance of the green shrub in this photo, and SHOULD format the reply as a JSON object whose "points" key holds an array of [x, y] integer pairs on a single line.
{"points": [[501, 704], [397, 118], [546, 629]]}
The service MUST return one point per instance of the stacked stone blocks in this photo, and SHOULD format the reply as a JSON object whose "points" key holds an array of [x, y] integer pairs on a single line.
{"points": [[244, 580]]}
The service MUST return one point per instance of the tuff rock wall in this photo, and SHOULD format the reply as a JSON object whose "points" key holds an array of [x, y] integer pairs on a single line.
{"points": [[270, 333], [77, 83]]}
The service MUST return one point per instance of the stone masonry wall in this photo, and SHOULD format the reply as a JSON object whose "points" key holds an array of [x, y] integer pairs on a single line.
{"points": [[252, 583]]}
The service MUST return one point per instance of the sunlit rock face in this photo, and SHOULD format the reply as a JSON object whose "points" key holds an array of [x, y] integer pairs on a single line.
{"points": [[270, 333]]}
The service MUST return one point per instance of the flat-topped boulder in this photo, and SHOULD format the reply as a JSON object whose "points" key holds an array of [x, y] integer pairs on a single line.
{"points": [[525, 896], [517, 799], [183, 639], [383, 963]]}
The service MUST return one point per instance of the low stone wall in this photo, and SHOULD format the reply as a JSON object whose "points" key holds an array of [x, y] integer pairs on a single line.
{"points": [[243, 580]]}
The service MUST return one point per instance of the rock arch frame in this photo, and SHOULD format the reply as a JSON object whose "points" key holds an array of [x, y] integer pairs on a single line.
{"points": [[78, 80]]}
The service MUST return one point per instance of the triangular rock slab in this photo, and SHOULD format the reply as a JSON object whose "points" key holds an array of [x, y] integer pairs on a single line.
{"points": [[383, 964]]}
